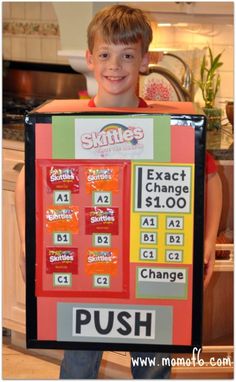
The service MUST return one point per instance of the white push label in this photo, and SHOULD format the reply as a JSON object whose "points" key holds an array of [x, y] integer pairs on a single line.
{"points": [[114, 323]]}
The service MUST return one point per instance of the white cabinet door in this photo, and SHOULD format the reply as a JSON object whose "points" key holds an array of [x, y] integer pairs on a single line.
{"points": [[182, 7], [13, 284]]}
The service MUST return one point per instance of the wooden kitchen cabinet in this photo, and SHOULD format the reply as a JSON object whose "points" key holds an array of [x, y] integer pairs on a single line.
{"points": [[13, 284]]}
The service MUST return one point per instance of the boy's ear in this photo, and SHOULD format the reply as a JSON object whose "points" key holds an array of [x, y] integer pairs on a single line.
{"points": [[144, 63], [89, 59]]}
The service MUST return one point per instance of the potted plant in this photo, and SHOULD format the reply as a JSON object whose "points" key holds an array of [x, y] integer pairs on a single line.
{"points": [[209, 84]]}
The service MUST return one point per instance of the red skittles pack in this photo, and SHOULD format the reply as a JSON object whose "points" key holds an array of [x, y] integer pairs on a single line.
{"points": [[102, 178], [101, 219], [62, 218], [63, 178], [62, 260], [101, 261]]}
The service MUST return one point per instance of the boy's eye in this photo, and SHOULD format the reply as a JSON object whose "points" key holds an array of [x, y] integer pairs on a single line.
{"points": [[103, 56], [128, 56]]}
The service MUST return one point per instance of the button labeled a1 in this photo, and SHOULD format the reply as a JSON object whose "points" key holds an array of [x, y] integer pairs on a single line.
{"points": [[62, 197]]}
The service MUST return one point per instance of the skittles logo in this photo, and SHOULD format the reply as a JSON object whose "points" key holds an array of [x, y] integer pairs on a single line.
{"points": [[110, 135]]}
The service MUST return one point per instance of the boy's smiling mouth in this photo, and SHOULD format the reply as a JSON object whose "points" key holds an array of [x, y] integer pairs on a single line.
{"points": [[112, 78]]}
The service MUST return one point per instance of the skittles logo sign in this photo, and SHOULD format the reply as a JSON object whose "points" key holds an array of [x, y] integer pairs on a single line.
{"points": [[111, 135]]}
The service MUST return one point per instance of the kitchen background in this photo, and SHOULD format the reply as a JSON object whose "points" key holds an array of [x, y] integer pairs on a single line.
{"points": [[37, 31], [51, 37]]}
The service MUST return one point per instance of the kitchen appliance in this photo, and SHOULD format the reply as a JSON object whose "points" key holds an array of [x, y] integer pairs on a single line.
{"points": [[26, 85]]}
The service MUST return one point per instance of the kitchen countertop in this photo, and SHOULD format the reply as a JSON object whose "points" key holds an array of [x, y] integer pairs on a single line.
{"points": [[218, 142], [14, 132], [221, 142]]}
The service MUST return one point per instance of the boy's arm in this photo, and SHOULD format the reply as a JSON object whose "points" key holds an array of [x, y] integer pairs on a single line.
{"points": [[20, 215], [212, 220]]}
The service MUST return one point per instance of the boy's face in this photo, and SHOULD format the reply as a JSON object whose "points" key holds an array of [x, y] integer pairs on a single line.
{"points": [[116, 68]]}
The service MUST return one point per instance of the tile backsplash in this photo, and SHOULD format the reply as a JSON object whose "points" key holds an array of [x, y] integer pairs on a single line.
{"points": [[192, 39], [31, 33]]}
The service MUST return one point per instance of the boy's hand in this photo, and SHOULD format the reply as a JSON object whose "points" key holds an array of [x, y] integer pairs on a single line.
{"points": [[209, 261], [22, 262]]}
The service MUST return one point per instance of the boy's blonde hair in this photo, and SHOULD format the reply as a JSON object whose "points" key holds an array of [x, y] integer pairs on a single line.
{"points": [[120, 24]]}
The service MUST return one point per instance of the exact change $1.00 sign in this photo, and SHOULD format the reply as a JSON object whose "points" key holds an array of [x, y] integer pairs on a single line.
{"points": [[114, 229]]}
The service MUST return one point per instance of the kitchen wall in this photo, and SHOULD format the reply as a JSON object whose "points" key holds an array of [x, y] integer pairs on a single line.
{"points": [[31, 33], [192, 39]]}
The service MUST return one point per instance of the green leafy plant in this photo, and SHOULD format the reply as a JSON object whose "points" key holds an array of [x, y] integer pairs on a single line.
{"points": [[209, 82]]}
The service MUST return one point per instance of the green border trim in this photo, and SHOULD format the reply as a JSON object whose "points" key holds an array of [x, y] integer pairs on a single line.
{"points": [[63, 137]]}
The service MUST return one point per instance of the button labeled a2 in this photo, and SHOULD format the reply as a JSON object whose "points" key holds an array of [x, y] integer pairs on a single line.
{"points": [[102, 198]]}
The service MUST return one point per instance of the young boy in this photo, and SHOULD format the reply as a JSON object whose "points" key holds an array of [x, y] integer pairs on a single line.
{"points": [[118, 41]]}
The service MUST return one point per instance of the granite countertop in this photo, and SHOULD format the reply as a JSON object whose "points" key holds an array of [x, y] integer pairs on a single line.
{"points": [[14, 132], [218, 142], [221, 142]]}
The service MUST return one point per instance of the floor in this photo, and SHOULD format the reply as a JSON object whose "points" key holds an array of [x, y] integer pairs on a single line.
{"points": [[20, 365], [17, 364]]}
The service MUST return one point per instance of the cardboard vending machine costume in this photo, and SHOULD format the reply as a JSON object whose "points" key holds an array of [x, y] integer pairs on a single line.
{"points": [[114, 227]]}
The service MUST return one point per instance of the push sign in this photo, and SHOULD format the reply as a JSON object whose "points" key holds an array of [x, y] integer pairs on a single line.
{"points": [[118, 217]]}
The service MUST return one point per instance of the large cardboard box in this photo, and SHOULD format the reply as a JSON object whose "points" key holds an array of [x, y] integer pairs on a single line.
{"points": [[114, 226]]}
